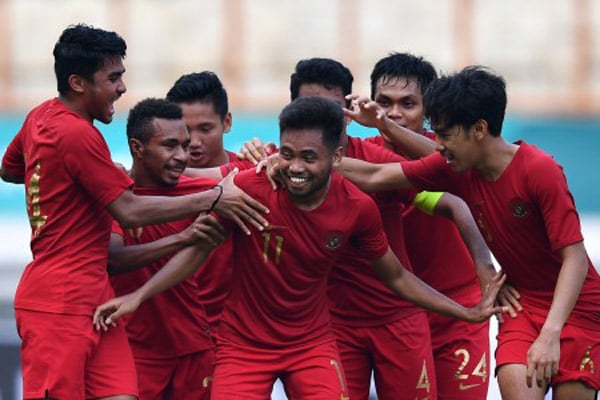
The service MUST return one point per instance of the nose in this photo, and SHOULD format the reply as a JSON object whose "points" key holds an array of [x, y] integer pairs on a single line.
{"points": [[296, 166], [122, 88], [181, 154], [395, 111], [439, 145], [195, 140]]}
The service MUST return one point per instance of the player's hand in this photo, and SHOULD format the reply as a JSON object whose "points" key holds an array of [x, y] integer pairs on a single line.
{"points": [[271, 165], [205, 231], [542, 359], [255, 150], [365, 111], [486, 306], [509, 297], [237, 206], [107, 314]]}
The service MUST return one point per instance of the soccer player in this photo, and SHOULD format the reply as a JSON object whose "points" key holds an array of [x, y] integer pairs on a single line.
{"points": [[437, 253], [168, 334], [276, 321], [206, 114], [72, 189], [520, 199], [376, 330]]}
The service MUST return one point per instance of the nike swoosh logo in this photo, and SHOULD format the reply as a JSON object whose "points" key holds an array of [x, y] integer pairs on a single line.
{"points": [[467, 387]]}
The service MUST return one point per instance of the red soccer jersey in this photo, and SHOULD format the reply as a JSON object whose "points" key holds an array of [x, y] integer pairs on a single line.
{"points": [[172, 323], [278, 297], [357, 296], [525, 216], [214, 281], [70, 179], [449, 268]]}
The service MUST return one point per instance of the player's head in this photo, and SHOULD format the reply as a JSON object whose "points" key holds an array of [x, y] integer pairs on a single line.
{"points": [[465, 109], [158, 141], [321, 77], [88, 63], [203, 99], [310, 131], [398, 83]]}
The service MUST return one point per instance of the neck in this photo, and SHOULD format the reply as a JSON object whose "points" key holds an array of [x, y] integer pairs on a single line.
{"points": [[75, 107], [497, 155]]}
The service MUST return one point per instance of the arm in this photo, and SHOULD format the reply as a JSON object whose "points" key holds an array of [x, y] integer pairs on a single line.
{"points": [[411, 288], [373, 177], [132, 210], [179, 267], [368, 113], [210, 173], [454, 208], [122, 258], [544, 354]]}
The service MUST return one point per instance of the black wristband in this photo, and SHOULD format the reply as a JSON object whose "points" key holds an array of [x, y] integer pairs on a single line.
{"points": [[212, 207]]}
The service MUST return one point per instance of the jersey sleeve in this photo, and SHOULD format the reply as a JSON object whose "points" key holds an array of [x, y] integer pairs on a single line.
{"points": [[87, 159], [369, 239], [116, 228], [426, 201], [549, 187], [430, 173], [14, 160]]}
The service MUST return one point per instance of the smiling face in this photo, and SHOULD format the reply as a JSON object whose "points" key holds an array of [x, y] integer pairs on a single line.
{"points": [[402, 101], [161, 161], [305, 165], [460, 147], [103, 90], [206, 130]]}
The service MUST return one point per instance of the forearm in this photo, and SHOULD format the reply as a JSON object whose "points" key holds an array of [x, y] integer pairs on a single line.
{"points": [[407, 142], [179, 267], [135, 211], [568, 286], [128, 258], [373, 177]]}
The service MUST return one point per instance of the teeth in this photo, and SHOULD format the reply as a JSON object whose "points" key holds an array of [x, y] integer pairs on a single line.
{"points": [[297, 180]]}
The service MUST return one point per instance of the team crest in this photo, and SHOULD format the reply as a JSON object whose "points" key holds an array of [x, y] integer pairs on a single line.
{"points": [[334, 240], [519, 208]]}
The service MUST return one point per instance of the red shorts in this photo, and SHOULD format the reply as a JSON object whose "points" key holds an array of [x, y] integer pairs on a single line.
{"points": [[579, 348], [63, 357], [461, 351], [181, 378], [399, 355], [307, 373]]}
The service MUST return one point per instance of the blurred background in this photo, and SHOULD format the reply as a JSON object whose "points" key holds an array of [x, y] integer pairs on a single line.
{"points": [[547, 50]]}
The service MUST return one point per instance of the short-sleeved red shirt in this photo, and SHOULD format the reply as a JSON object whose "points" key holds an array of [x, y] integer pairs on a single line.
{"points": [[172, 323], [278, 297], [525, 216], [69, 180], [357, 297]]}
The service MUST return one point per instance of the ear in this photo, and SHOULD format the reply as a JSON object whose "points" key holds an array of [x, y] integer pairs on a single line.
{"points": [[227, 122], [337, 156], [76, 83], [480, 129], [137, 148]]}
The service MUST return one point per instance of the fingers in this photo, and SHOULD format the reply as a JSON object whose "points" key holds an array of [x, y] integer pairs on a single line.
{"points": [[253, 151], [101, 318], [530, 372]]}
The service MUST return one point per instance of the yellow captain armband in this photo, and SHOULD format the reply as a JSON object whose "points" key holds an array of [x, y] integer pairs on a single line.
{"points": [[426, 201]]}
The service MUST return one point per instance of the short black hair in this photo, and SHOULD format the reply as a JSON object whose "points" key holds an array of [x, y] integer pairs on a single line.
{"points": [[313, 112], [329, 73], [473, 94], [143, 114], [82, 50], [403, 65], [205, 87]]}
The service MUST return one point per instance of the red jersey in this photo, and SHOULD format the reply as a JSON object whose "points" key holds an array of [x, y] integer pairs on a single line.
{"points": [[357, 296], [278, 297], [214, 281], [172, 323], [69, 180], [525, 216], [449, 268]]}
